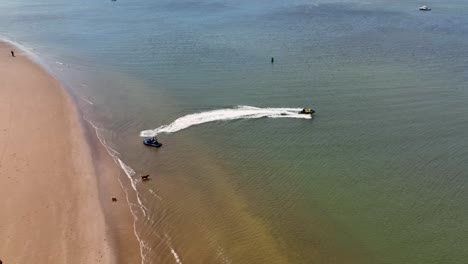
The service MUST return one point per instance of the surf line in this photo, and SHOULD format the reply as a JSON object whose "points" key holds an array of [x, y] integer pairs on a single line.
{"points": [[226, 114]]}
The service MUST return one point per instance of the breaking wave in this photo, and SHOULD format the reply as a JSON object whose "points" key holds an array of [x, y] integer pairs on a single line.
{"points": [[239, 112]]}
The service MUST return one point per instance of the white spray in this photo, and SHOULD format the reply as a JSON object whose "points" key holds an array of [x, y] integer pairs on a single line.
{"points": [[239, 112]]}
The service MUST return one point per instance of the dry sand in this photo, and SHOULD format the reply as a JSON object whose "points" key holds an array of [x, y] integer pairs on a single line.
{"points": [[51, 210]]}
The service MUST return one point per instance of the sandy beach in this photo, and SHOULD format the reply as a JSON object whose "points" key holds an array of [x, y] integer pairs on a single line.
{"points": [[52, 211]]}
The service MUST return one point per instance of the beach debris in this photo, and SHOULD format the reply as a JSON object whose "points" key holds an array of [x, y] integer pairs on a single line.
{"points": [[114, 199], [13, 55], [145, 177]]}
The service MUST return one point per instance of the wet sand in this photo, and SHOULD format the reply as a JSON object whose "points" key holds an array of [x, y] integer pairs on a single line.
{"points": [[53, 209]]}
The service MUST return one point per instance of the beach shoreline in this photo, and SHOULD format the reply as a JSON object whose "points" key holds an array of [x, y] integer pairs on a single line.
{"points": [[57, 180]]}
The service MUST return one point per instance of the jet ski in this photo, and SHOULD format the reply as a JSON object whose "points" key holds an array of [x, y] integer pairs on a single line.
{"points": [[307, 111], [152, 142]]}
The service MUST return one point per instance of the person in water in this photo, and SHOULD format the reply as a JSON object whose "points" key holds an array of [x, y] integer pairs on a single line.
{"points": [[272, 60], [13, 55]]}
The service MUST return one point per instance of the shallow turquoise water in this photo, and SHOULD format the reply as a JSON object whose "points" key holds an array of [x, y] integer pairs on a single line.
{"points": [[378, 176]]}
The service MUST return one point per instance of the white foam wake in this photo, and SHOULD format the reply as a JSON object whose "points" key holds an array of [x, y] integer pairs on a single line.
{"points": [[239, 112]]}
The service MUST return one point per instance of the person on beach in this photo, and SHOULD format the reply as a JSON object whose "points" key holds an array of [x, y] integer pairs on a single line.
{"points": [[13, 55]]}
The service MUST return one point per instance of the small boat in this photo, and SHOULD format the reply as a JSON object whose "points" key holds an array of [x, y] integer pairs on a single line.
{"points": [[424, 8], [307, 111], [152, 142]]}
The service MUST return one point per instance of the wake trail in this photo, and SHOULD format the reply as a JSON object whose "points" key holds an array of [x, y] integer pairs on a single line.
{"points": [[239, 112]]}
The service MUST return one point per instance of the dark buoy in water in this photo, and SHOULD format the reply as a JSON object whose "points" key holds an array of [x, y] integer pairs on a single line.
{"points": [[272, 60]]}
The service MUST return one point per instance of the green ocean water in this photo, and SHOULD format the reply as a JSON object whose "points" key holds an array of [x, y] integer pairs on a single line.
{"points": [[377, 176]]}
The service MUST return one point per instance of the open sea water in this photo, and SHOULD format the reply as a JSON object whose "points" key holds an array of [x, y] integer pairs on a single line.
{"points": [[379, 175]]}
